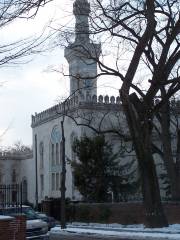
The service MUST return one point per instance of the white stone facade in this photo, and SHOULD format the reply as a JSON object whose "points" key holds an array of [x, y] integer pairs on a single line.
{"points": [[49, 167], [46, 126]]}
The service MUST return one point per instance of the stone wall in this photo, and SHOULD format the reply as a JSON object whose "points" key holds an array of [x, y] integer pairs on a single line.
{"points": [[123, 213]]}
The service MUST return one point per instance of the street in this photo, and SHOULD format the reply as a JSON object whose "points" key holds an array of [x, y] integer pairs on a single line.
{"points": [[86, 237]]}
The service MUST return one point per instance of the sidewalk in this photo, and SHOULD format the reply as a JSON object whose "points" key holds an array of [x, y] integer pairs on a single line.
{"points": [[100, 232]]}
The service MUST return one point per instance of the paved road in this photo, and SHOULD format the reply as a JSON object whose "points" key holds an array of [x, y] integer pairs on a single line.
{"points": [[86, 237]]}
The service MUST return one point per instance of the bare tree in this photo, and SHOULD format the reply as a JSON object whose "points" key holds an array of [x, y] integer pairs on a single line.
{"points": [[11, 51], [10, 11], [19, 148], [149, 31]]}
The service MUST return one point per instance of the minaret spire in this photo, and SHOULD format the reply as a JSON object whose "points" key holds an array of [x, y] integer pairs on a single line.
{"points": [[80, 53], [81, 10]]}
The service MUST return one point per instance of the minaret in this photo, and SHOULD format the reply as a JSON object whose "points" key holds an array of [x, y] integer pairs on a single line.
{"points": [[81, 10], [82, 68]]}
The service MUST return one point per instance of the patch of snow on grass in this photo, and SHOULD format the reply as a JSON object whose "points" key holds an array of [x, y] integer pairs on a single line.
{"points": [[131, 231]]}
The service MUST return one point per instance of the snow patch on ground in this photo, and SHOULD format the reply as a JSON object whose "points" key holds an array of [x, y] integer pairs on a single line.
{"points": [[131, 231]]}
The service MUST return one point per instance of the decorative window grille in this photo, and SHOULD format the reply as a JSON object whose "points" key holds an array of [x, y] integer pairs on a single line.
{"points": [[57, 153], [53, 182], [41, 152], [52, 155], [14, 176], [42, 182]]}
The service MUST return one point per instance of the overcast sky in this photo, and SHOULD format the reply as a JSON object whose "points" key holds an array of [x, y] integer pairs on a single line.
{"points": [[30, 88]]}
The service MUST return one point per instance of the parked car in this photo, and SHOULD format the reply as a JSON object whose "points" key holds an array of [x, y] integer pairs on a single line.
{"points": [[36, 228], [49, 220]]}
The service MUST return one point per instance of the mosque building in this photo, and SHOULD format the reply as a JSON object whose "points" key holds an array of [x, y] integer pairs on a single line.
{"points": [[41, 171]]}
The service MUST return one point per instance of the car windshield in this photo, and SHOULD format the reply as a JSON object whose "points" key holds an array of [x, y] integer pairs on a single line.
{"points": [[30, 213]]}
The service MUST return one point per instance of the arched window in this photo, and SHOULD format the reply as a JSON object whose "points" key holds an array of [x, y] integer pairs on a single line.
{"points": [[42, 182], [55, 145], [14, 176], [2, 195], [73, 158], [73, 137], [1, 177], [14, 182], [52, 155], [53, 181], [57, 181], [57, 153], [24, 191], [41, 153], [55, 134], [42, 185]]}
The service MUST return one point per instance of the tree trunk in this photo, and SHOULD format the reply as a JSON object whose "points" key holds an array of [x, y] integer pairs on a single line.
{"points": [[155, 216], [140, 126]]}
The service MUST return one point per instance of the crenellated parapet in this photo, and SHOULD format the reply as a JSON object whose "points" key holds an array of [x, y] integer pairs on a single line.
{"points": [[78, 100], [72, 103], [174, 104]]}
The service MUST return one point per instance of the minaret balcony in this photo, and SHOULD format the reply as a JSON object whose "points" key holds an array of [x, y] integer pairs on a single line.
{"points": [[79, 51]]}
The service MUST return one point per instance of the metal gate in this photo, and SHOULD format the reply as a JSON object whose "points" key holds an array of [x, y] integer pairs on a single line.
{"points": [[11, 196]]}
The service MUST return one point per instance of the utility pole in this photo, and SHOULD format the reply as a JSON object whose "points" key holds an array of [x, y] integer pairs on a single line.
{"points": [[63, 170], [63, 179]]}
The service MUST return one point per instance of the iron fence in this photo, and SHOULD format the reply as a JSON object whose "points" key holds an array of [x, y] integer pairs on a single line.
{"points": [[11, 197]]}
